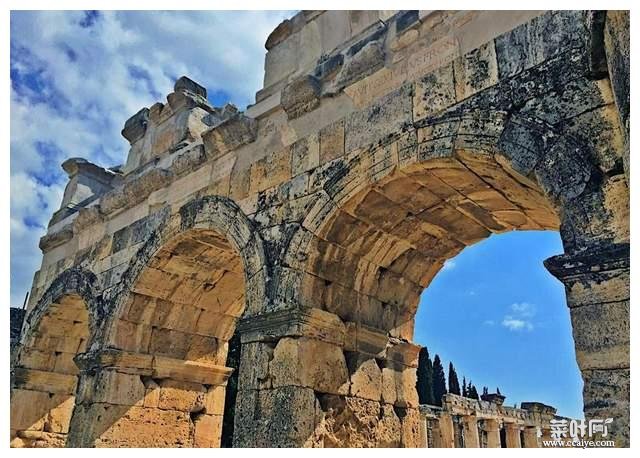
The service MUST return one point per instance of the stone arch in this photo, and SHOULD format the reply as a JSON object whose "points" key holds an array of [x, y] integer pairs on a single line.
{"points": [[389, 215], [161, 355], [486, 153], [44, 373]]}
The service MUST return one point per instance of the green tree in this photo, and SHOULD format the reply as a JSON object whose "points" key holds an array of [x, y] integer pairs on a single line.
{"points": [[473, 392], [465, 390], [424, 384], [439, 381], [454, 384]]}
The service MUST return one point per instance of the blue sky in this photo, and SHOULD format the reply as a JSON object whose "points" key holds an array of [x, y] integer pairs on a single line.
{"points": [[77, 76], [502, 319]]}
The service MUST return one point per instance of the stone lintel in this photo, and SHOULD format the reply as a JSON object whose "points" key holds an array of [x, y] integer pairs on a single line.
{"points": [[600, 258], [49, 382], [307, 322], [365, 339], [157, 367]]}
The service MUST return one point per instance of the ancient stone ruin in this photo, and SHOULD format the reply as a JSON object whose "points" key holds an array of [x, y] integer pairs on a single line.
{"points": [[468, 423], [381, 145]]}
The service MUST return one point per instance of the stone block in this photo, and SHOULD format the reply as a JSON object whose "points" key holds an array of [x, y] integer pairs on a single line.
{"points": [[208, 431], [475, 71], [309, 363], [181, 396], [229, 135], [332, 142], [434, 93], [385, 117], [365, 377], [305, 154], [300, 96], [117, 388], [273, 169], [601, 335]]}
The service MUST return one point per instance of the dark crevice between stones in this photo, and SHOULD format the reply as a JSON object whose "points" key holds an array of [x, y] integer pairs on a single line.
{"points": [[231, 393]]}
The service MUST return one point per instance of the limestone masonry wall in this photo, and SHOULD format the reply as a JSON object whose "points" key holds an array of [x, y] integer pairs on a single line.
{"points": [[381, 145]]}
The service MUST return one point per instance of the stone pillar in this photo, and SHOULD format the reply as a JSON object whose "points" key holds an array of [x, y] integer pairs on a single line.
{"points": [[139, 400], [512, 434], [597, 285], [530, 435], [447, 438], [470, 431], [436, 437], [308, 380], [492, 428], [41, 407]]}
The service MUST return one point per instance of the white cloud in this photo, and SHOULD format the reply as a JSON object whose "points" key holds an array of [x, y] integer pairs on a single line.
{"points": [[516, 324], [520, 317], [523, 309], [74, 87], [449, 264]]}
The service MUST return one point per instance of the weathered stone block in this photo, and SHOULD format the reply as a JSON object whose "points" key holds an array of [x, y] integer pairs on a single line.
{"points": [[434, 93], [230, 134], [181, 396], [365, 377], [309, 363], [385, 117], [601, 334], [475, 71], [332, 142], [300, 96]]}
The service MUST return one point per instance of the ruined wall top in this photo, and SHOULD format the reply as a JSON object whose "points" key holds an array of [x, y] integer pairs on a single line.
{"points": [[529, 413]]}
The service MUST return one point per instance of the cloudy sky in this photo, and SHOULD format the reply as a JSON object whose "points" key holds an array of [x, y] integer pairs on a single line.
{"points": [[77, 76]]}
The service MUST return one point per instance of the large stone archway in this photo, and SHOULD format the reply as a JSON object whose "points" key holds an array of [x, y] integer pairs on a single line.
{"points": [[381, 145], [44, 375], [156, 374]]}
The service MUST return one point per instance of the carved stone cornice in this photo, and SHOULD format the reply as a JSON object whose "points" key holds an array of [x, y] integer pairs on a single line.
{"points": [[592, 261], [158, 367], [306, 322]]}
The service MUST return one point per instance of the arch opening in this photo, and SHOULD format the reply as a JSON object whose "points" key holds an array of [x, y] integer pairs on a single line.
{"points": [[162, 376], [45, 375], [502, 320], [381, 247]]}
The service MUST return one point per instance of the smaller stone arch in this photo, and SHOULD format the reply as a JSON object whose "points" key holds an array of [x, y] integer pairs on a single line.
{"points": [[161, 354], [44, 372]]}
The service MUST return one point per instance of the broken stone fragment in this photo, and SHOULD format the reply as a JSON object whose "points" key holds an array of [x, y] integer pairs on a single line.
{"points": [[301, 96], [366, 61], [230, 134], [57, 238], [281, 32], [136, 126], [187, 84]]}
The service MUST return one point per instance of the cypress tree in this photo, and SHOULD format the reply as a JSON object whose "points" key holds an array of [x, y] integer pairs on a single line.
{"points": [[424, 384], [454, 384], [473, 393], [439, 381], [465, 391]]}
